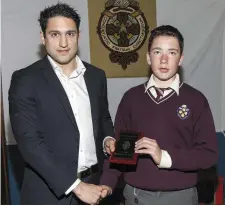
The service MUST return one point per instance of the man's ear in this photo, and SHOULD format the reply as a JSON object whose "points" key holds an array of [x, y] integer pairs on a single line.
{"points": [[42, 37]]}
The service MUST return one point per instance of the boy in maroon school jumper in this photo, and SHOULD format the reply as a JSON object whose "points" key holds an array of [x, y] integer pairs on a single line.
{"points": [[176, 120]]}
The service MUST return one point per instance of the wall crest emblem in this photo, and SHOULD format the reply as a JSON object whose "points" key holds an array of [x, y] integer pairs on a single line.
{"points": [[122, 29]]}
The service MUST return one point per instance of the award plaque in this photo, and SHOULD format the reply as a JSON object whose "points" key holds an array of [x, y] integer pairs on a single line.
{"points": [[124, 151]]}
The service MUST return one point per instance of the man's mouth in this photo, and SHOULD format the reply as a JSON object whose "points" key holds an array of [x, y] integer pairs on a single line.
{"points": [[63, 51]]}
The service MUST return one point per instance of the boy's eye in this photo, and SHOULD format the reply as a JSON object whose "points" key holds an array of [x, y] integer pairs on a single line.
{"points": [[173, 53], [156, 52]]}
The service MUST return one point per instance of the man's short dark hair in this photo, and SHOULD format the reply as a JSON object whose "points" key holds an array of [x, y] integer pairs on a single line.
{"points": [[59, 9], [166, 30]]}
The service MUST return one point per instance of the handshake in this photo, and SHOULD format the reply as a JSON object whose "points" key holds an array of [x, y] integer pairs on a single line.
{"points": [[90, 193]]}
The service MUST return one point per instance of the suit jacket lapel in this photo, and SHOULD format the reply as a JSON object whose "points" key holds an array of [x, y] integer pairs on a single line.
{"points": [[54, 82], [90, 84]]}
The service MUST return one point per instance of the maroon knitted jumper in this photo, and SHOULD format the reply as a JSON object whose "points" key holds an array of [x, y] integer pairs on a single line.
{"points": [[181, 124]]}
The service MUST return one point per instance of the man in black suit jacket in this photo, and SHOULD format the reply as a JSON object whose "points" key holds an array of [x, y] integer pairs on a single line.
{"points": [[60, 119]]}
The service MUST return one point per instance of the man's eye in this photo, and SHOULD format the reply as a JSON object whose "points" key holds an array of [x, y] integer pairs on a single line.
{"points": [[71, 33], [54, 34]]}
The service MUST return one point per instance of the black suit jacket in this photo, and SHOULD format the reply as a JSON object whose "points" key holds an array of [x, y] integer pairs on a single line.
{"points": [[46, 131]]}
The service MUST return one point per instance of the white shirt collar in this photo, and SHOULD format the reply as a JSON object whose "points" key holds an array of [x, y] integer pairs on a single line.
{"points": [[175, 84], [80, 66]]}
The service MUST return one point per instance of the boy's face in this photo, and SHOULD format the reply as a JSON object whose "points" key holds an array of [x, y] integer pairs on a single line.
{"points": [[61, 39], [165, 58]]}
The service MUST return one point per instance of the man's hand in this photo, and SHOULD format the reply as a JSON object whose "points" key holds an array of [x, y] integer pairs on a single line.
{"points": [[109, 145], [149, 146], [105, 191], [88, 193]]}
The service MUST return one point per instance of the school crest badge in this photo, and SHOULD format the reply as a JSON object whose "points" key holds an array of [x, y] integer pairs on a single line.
{"points": [[183, 112]]}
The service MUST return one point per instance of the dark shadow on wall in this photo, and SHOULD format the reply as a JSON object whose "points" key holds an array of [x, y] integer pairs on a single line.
{"points": [[16, 169], [17, 164], [207, 185], [41, 51]]}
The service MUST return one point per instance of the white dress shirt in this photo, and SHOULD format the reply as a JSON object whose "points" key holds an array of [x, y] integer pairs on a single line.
{"points": [[174, 86], [166, 161], [77, 93]]}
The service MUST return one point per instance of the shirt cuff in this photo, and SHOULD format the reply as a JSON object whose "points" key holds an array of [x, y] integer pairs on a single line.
{"points": [[73, 186], [166, 161], [103, 144]]}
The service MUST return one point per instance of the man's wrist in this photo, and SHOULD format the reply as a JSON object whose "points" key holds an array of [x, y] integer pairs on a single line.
{"points": [[73, 186], [76, 190]]}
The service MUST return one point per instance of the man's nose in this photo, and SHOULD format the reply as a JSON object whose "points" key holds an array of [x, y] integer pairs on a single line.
{"points": [[63, 41]]}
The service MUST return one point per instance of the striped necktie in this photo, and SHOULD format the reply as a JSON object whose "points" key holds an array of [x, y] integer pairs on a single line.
{"points": [[160, 92]]}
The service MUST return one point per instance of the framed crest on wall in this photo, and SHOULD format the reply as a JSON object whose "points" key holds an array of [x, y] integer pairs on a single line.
{"points": [[119, 32]]}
